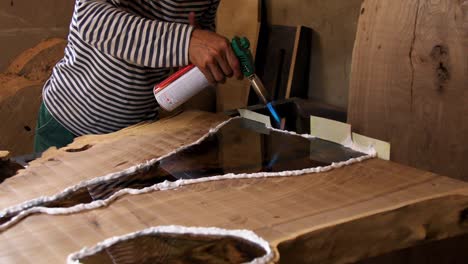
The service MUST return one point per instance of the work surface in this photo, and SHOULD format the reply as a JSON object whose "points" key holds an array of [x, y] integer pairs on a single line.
{"points": [[346, 214]]}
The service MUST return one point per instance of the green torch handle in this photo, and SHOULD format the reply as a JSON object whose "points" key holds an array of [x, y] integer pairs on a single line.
{"points": [[241, 47]]}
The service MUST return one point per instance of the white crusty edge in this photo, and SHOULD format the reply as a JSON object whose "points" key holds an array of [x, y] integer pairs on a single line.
{"points": [[213, 231], [29, 207]]}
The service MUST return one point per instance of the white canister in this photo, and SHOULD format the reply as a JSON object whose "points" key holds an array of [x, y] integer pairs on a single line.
{"points": [[180, 87]]}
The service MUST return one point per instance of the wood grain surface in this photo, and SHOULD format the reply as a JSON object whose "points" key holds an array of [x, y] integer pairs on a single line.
{"points": [[379, 205], [409, 81]]}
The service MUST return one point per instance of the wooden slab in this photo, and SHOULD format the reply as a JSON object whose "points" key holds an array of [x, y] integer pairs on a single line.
{"points": [[59, 169], [409, 81], [387, 204], [19, 104], [24, 24], [20, 94], [298, 80], [245, 21], [37, 62], [378, 205]]}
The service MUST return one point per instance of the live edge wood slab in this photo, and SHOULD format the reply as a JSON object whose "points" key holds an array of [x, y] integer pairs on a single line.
{"points": [[344, 215], [409, 82]]}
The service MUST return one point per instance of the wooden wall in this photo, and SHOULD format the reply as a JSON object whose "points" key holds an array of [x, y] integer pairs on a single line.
{"points": [[24, 23], [335, 24], [409, 81]]}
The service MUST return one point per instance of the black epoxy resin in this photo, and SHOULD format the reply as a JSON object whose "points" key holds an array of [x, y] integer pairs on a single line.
{"points": [[245, 146]]}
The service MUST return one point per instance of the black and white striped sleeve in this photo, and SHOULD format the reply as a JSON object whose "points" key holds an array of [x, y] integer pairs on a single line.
{"points": [[135, 39], [209, 18]]}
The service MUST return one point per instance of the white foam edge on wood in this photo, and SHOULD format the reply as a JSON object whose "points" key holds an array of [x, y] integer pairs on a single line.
{"points": [[30, 207], [174, 229]]}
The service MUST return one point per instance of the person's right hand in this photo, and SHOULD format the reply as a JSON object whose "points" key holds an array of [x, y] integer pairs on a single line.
{"points": [[213, 55]]}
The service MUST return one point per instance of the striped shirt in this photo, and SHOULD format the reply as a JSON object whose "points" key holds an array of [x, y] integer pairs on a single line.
{"points": [[117, 51]]}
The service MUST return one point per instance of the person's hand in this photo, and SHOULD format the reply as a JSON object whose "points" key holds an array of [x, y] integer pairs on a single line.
{"points": [[213, 55]]}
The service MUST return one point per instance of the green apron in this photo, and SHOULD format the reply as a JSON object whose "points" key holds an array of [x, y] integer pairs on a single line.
{"points": [[49, 132]]}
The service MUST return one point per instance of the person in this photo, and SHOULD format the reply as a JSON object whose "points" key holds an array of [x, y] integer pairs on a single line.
{"points": [[117, 51]]}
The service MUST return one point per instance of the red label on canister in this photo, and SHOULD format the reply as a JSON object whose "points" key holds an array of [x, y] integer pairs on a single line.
{"points": [[180, 87], [172, 78]]}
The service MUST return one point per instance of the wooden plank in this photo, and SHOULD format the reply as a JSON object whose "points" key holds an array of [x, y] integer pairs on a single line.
{"points": [[19, 104], [388, 204], [379, 205], [24, 24], [45, 176], [298, 80], [294, 57], [349, 242], [37, 62], [245, 21], [334, 24], [409, 79], [20, 94]]}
